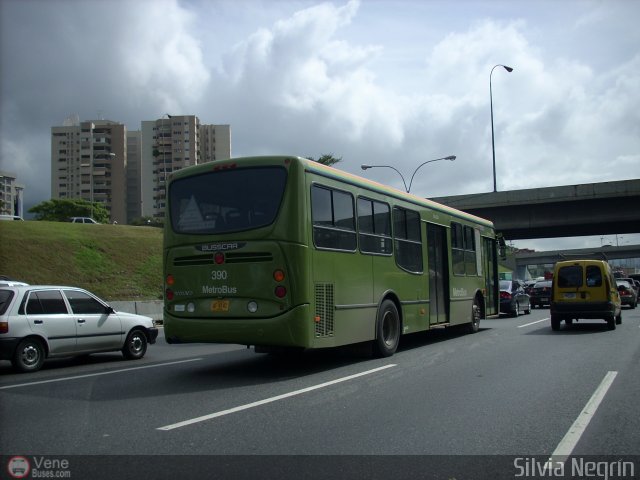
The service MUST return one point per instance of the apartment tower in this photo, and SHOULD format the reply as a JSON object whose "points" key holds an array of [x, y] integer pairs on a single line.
{"points": [[88, 161]]}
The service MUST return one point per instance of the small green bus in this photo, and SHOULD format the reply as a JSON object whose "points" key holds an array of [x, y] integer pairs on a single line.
{"points": [[282, 251]]}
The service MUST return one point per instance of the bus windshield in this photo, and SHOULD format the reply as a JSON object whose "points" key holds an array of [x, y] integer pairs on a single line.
{"points": [[226, 200]]}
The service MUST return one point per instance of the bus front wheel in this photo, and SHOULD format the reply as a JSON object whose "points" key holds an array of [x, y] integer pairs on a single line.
{"points": [[387, 330]]}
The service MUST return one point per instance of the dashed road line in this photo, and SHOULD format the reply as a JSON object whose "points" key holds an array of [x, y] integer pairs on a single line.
{"points": [[76, 377], [247, 406]]}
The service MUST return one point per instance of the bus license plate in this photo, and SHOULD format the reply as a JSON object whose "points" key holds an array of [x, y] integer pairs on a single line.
{"points": [[220, 306]]}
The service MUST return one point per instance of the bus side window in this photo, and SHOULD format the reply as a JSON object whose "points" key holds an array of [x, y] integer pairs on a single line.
{"points": [[457, 248], [408, 242], [333, 217]]}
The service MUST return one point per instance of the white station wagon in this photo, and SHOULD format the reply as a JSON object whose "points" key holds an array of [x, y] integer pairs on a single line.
{"points": [[42, 321]]}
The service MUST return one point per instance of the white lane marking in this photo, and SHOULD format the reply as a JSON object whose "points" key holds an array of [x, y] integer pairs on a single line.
{"points": [[570, 440], [533, 323], [97, 374], [270, 400]]}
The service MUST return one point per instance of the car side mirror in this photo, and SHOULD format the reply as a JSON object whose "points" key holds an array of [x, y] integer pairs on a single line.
{"points": [[109, 310]]}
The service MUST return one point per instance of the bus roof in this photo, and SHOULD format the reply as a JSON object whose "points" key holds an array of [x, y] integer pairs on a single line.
{"points": [[390, 191], [330, 172]]}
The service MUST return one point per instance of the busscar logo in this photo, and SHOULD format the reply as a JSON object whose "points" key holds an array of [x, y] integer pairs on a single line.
{"points": [[18, 467], [221, 246]]}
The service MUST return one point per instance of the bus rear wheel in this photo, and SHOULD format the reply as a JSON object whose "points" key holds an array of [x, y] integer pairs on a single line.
{"points": [[387, 330], [474, 326]]}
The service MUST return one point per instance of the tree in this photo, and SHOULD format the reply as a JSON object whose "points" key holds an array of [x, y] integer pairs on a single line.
{"points": [[327, 159], [60, 210]]}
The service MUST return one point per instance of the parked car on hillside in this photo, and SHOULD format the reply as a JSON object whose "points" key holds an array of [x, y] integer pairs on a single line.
{"points": [[540, 294], [43, 321], [82, 220], [628, 294], [513, 298]]}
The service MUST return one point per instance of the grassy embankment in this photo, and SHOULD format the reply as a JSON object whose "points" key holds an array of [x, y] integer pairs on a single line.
{"points": [[116, 262]]}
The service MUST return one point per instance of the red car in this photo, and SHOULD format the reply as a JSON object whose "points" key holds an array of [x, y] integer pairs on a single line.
{"points": [[627, 293]]}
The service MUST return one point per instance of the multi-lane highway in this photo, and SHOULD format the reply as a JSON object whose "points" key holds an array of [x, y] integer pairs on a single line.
{"points": [[514, 389]]}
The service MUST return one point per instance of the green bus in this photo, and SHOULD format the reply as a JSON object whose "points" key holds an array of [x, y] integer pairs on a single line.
{"points": [[279, 251]]}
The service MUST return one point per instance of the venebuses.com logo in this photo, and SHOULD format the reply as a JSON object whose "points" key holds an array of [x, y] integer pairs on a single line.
{"points": [[38, 467], [18, 467]]}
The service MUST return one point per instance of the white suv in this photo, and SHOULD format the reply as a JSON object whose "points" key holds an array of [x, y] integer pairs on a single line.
{"points": [[41, 321]]}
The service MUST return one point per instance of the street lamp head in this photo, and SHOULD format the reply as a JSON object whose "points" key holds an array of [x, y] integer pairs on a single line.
{"points": [[450, 157], [508, 69], [364, 167]]}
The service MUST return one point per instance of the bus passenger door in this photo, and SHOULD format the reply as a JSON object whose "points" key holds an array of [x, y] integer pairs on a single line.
{"points": [[490, 270], [438, 274]]}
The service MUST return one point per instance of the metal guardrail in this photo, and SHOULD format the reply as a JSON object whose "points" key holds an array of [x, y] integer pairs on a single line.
{"points": [[150, 308]]}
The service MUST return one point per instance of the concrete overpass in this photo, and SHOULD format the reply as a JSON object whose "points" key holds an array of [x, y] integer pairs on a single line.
{"points": [[568, 211], [522, 259]]}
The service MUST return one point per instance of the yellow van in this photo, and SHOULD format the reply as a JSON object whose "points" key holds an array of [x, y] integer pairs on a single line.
{"points": [[584, 289]]}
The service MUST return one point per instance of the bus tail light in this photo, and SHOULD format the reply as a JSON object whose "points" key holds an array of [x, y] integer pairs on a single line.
{"points": [[278, 275], [281, 291], [218, 258], [170, 280], [168, 294], [4, 327]]}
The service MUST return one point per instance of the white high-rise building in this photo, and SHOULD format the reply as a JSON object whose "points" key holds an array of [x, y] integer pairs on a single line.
{"points": [[11, 195], [171, 143]]}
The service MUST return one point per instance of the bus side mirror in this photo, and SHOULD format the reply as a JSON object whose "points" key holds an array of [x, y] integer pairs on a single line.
{"points": [[502, 248]]}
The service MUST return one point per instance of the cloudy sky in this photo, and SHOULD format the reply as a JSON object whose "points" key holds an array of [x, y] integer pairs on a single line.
{"points": [[372, 81]]}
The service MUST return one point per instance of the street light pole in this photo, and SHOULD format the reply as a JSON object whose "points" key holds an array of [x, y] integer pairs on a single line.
{"points": [[164, 165], [451, 158], [408, 189], [364, 167], [493, 144]]}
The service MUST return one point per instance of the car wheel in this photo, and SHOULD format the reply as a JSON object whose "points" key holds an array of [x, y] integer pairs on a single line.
{"points": [[136, 345], [29, 356], [387, 330], [474, 326], [555, 322], [611, 323], [619, 319], [516, 311], [527, 310]]}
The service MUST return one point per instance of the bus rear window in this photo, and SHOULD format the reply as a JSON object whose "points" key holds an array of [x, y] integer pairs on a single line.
{"points": [[227, 200]]}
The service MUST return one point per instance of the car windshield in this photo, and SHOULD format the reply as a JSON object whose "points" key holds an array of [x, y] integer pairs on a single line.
{"points": [[211, 204], [505, 284]]}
